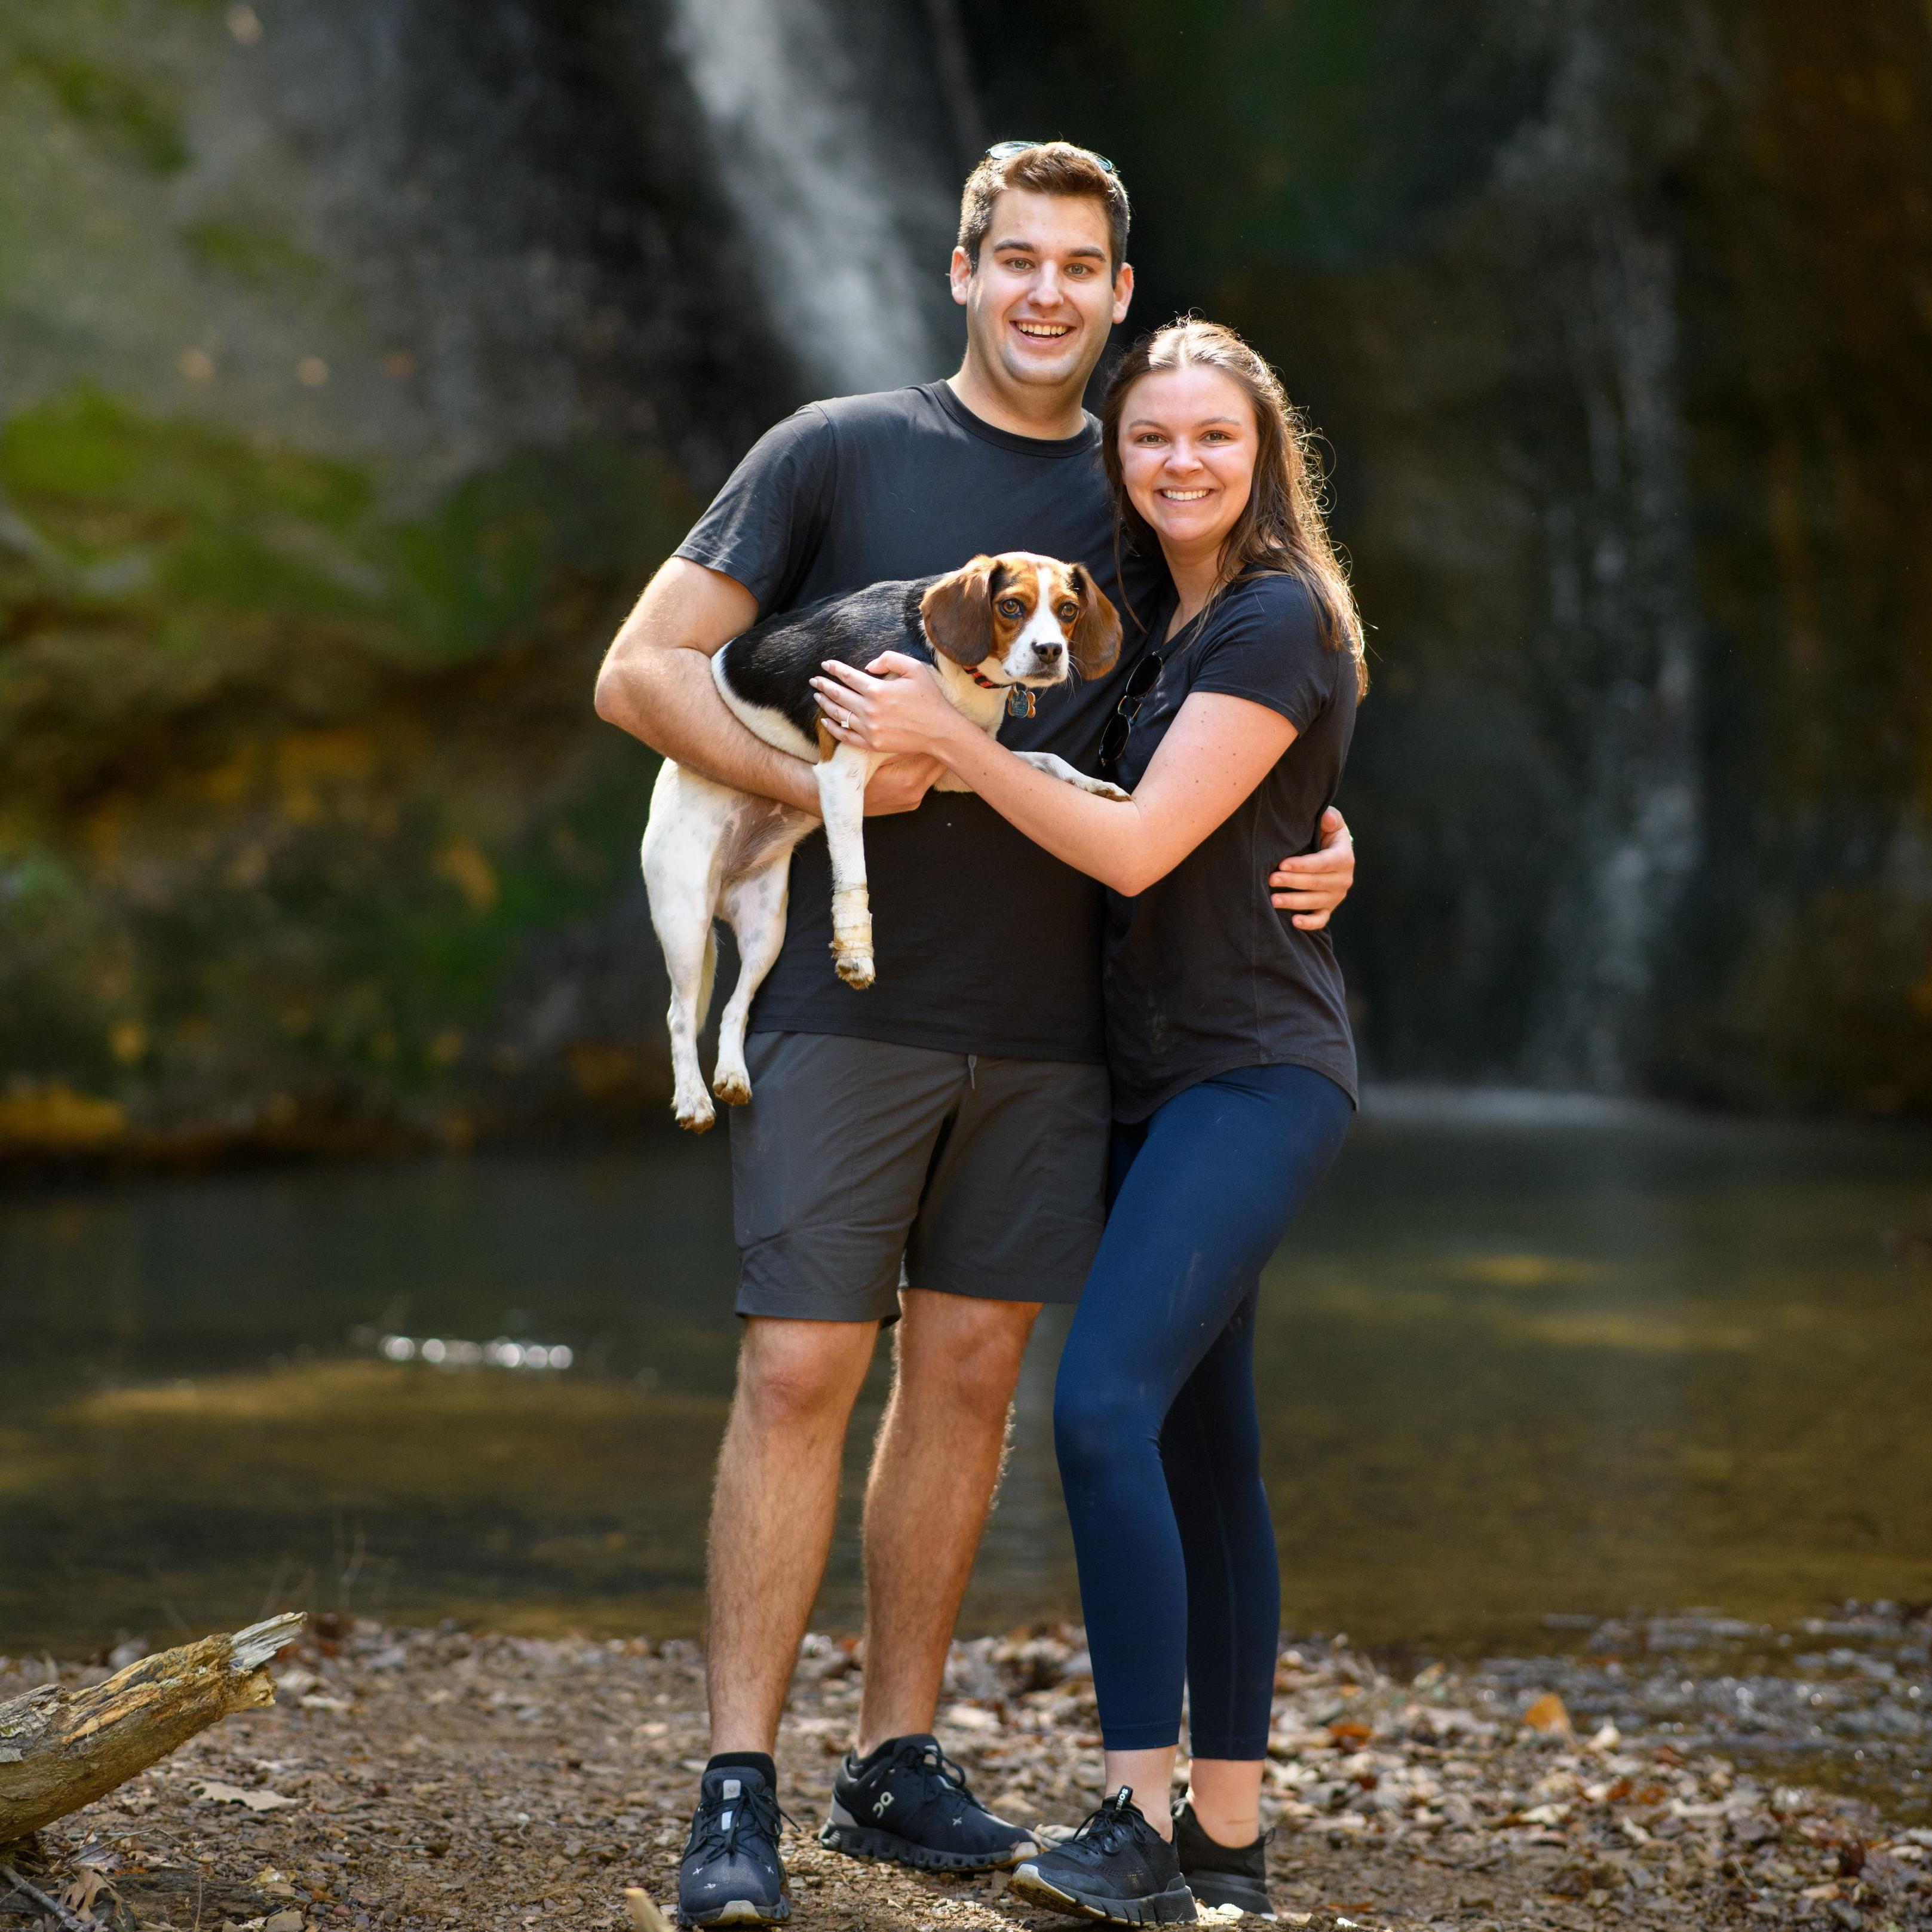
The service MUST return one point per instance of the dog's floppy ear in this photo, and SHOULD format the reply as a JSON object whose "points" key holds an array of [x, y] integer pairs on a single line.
{"points": [[1095, 645], [958, 611]]}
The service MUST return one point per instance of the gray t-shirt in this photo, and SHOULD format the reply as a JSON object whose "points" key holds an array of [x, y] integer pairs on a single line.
{"points": [[984, 942], [1203, 975]]}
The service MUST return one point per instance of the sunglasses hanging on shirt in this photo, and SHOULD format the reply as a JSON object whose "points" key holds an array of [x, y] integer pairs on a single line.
{"points": [[1114, 740]]}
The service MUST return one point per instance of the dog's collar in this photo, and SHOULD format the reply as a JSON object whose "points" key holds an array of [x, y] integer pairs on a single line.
{"points": [[1019, 697]]}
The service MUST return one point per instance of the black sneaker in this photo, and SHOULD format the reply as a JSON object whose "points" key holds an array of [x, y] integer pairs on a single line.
{"points": [[1219, 1874], [907, 1801], [1116, 1868], [731, 1874]]}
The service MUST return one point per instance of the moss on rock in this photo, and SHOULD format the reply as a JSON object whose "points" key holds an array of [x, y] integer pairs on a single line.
{"points": [[293, 783]]}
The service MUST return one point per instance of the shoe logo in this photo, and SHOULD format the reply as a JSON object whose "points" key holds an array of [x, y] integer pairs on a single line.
{"points": [[879, 1809]]}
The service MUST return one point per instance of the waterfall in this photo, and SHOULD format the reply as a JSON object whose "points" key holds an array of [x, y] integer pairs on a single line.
{"points": [[846, 220], [1643, 821], [1624, 580]]}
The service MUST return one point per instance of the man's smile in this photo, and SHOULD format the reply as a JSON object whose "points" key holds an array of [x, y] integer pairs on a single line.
{"points": [[1046, 331]]}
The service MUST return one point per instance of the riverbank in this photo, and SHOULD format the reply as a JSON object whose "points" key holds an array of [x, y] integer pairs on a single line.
{"points": [[424, 1779]]}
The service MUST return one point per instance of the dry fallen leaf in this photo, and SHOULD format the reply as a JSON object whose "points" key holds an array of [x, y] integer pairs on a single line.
{"points": [[79, 1896], [969, 1717], [1549, 1713], [1350, 1733], [645, 1917], [216, 1793]]}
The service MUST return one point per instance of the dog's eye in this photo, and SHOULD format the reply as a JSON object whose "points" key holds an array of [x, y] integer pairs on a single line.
{"points": [[1011, 607], [1069, 611]]}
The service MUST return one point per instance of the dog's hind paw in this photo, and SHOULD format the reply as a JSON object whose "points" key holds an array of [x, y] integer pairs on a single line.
{"points": [[856, 970], [695, 1117], [733, 1089]]}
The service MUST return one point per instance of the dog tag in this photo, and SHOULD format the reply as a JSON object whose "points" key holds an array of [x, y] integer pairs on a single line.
{"points": [[1019, 701]]}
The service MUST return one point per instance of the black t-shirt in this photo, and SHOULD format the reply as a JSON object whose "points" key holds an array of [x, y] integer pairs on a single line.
{"points": [[984, 943], [1203, 975]]}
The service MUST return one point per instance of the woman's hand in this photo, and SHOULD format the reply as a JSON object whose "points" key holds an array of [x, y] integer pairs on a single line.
{"points": [[894, 706]]}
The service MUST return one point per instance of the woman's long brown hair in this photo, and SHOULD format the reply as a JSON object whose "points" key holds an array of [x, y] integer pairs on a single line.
{"points": [[1281, 526]]}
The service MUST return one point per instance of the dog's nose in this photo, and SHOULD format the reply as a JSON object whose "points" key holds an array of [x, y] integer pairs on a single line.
{"points": [[1049, 653]]}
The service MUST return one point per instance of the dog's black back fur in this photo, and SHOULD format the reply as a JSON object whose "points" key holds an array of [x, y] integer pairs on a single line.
{"points": [[773, 663]]}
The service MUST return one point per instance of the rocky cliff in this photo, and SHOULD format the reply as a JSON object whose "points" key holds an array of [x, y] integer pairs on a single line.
{"points": [[1618, 319], [361, 362], [358, 361]]}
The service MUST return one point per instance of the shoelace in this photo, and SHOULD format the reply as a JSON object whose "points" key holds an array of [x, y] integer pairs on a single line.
{"points": [[930, 1759], [721, 1819], [1113, 1824]]}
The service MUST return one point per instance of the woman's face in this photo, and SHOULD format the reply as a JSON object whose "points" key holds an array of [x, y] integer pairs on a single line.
{"points": [[1188, 445]]}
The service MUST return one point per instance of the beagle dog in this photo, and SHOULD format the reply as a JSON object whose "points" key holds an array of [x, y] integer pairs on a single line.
{"points": [[995, 632]]}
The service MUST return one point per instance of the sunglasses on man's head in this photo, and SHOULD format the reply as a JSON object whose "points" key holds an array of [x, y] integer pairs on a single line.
{"points": [[1114, 739], [1004, 151]]}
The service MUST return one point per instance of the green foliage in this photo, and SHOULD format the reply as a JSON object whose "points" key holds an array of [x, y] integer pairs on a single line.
{"points": [[128, 112], [292, 783], [255, 256]]}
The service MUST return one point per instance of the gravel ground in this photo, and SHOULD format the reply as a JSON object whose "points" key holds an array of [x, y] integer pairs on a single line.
{"points": [[427, 1779]]}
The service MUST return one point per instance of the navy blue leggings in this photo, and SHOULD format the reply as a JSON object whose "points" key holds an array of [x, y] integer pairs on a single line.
{"points": [[1153, 1413]]}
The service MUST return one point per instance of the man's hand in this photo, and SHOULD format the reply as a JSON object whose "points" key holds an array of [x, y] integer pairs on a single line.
{"points": [[1312, 886], [900, 784]]}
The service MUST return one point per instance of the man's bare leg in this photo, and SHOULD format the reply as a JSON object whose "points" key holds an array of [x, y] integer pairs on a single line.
{"points": [[934, 1468], [772, 1512]]}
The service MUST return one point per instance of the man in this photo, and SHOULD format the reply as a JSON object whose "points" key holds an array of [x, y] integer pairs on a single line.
{"points": [[951, 1121]]}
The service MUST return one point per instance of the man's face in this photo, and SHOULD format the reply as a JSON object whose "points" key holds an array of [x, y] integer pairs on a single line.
{"points": [[1039, 304]]}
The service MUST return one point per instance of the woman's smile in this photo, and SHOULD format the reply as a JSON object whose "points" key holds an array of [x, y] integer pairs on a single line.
{"points": [[1187, 452]]}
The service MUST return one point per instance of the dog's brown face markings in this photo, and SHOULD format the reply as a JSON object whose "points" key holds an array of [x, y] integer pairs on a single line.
{"points": [[1094, 642], [987, 609]]}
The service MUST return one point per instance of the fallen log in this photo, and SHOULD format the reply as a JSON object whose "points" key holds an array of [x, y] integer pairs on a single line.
{"points": [[61, 1749]]}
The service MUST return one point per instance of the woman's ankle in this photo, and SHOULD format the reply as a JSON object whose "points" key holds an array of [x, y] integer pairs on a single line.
{"points": [[1234, 1831], [1162, 1819], [1224, 1798], [1149, 1775]]}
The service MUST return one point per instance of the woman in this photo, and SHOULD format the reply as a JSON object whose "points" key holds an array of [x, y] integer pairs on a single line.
{"points": [[1234, 1080]]}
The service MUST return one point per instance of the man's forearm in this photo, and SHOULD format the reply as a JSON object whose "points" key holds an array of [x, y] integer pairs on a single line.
{"points": [[667, 699], [655, 683]]}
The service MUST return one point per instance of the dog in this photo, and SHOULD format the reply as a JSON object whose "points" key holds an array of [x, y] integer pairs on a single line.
{"points": [[995, 632]]}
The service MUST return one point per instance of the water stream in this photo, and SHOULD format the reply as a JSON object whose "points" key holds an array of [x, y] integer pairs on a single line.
{"points": [[1512, 1366]]}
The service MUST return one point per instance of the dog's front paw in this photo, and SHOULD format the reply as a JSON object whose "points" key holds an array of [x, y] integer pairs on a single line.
{"points": [[1100, 788], [733, 1087], [695, 1116], [855, 968]]}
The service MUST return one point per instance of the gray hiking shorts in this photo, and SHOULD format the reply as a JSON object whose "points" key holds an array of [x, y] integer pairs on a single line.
{"points": [[983, 1177]]}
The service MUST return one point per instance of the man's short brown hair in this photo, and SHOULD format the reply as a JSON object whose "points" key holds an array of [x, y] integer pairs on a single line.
{"points": [[1053, 167]]}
